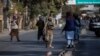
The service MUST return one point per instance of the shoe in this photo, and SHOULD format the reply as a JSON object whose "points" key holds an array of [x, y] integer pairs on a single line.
{"points": [[11, 40], [68, 46], [38, 39], [72, 46], [18, 40], [50, 47]]}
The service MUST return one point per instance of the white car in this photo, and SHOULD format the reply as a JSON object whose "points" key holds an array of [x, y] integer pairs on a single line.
{"points": [[95, 26]]}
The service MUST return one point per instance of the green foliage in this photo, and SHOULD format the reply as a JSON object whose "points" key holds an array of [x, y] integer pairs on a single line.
{"points": [[58, 4], [44, 8], [37, 7], [1, 5], [34, 10], [14, 1], [19, 7]]}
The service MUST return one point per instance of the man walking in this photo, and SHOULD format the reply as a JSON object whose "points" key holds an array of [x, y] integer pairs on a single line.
{"points": [[69, 29], [40, 25], [49, 32]]}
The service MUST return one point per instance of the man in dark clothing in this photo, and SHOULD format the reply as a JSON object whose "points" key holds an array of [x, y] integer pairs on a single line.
{"points": [[40, 25], [77, 28], [69, 29]]}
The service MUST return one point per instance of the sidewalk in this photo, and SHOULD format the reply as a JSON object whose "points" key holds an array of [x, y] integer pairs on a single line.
{"points": [[6, 32]]}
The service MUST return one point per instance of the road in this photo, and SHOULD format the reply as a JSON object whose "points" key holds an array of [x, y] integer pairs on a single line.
{"points": [[29, 45], [89, 45]]}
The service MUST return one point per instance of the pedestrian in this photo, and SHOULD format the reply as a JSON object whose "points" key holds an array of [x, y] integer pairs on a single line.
{"points": [[40, 24], [69, 29], [14, 30], [77, 28], [49, 26]]}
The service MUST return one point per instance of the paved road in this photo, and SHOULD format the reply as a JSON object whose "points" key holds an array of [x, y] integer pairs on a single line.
{"points": [[29, 46], [89, 45]]}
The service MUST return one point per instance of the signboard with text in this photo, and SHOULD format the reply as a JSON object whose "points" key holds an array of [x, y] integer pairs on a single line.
{"points": [[87, 1], [79, 2]]}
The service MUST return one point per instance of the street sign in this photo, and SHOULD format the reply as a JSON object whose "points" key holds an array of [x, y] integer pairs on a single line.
{"points": [[87, 1], [79, 2]]}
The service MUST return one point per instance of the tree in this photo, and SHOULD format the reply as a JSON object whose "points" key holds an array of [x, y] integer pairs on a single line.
{"points": [[36, 7]]}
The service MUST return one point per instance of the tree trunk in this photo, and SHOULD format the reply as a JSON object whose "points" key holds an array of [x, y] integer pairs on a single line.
{"points": [[20, 22]]}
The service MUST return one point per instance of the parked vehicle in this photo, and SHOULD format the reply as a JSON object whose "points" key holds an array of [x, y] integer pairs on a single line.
{"points": [[95, 26]]}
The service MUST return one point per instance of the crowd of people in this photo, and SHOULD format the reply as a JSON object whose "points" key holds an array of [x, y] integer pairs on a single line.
{"points": [[71, 29], [45, 29]]}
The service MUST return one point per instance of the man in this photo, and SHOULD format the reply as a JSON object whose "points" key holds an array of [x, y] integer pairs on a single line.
{"points": [[14, 30], [77, 27], [69, 29], [40, 25], [49, 32], [14, 27]]}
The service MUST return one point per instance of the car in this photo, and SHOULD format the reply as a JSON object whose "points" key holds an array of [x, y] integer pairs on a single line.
{"points": [[95, 27]]}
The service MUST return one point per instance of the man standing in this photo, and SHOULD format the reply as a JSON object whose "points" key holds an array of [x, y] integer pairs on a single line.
{"points": [[14, 30], [14, 27], [40, 25]]}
